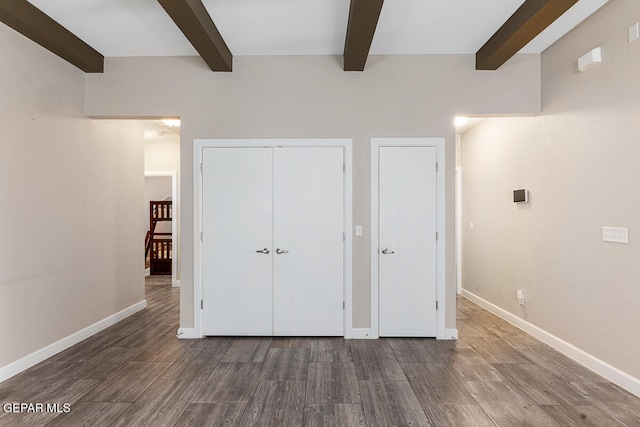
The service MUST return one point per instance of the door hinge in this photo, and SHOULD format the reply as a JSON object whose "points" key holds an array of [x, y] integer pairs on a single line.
{"points": [[344, 236], [201, 304], [201, 168], [344, 167], [436, 305], [436, 236], [201, 236], [436, 166], [343, 305]]}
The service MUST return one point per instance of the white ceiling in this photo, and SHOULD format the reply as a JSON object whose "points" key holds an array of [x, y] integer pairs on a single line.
{"points": [[300, 27]]}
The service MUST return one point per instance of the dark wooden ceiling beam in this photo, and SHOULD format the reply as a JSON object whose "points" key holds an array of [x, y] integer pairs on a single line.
{"points": [[34, 24], [195, 23], [523, 26], [363, 19]]}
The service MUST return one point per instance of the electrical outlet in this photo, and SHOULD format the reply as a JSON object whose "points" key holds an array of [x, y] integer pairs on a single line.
{"points": [[520, 296]]}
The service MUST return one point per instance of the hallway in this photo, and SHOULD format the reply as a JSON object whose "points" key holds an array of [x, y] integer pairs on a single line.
{"points": [[137, 373]]}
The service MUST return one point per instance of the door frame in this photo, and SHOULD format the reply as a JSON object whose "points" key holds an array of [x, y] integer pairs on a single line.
{"points": [[175, 206], [201, 144], [439, 144]]}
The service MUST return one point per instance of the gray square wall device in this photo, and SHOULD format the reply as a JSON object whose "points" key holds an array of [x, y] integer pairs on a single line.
{"points": [[520, 196]]}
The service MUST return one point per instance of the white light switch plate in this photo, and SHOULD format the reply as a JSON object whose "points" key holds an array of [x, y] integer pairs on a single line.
{"points": [[358, 231], [615, 234]]}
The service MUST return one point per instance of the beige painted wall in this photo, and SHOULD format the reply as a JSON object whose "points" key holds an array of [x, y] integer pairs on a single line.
{"points": [[311, 97], [62, 178], [580, 160], [162, 153]]}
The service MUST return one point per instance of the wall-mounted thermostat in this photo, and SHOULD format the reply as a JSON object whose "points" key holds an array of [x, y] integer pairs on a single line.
{"points": [[521, 196]]}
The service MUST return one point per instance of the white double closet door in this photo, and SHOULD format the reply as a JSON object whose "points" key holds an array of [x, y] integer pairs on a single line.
{"points": [[273, 249]]}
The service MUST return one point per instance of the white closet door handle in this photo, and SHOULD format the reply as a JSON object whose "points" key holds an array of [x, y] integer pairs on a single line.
{"points": [[281, 251]]}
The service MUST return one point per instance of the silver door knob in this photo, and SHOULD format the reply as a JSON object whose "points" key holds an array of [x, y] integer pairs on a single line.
{"points": [[281, 251], [387, 251], [264, 251]]}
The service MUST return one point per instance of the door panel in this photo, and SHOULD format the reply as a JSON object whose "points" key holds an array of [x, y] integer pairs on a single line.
{"points": [[237, 221], [407, 228], [309, 224]]}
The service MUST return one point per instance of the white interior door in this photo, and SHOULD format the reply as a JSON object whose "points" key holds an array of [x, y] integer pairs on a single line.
{"points": [[407, 241], [308, 241], [237, 220]]}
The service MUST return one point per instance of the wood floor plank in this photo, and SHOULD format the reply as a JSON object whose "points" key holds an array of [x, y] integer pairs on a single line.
{"points": [[436, 383], [467, 329], [581, 416], [230, 383], [541, 386], [85, 349], [128, 383], [469, 365], [334, 415], [214, 342], [291, 364], [515, 337], [160, 405], [195, 364], [617, 402], [495, 350], [143, 337], [560, 365], [414, 350], [276, 403], [64, 391], [507, 405], [21, 387], [457, 416], [167, 349], [90, 414], [58, 392], [291, 342], [100, 366], [375, 361], [332, 383], [391, 403], [246, 349], [329, 350], [212, 415]]}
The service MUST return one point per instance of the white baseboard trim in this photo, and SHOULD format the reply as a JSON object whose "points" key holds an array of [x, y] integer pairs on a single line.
{"points": [[448, 334], [44, 353], [600, 367], [362, 334], [187, 334]]}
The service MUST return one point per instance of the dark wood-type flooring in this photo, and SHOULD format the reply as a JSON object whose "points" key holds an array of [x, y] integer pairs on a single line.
{"points": [[138, 373]]}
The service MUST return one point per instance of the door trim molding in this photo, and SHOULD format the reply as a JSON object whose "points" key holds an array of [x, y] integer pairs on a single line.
{"points": [[201, 144], [439, 144]]}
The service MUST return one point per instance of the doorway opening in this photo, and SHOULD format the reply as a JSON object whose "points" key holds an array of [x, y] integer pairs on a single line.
{"points": [[161, 201]]}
